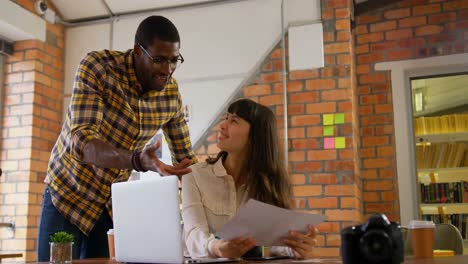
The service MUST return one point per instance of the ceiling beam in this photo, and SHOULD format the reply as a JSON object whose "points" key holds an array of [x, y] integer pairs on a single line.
{"points": [[371, 5], [137, 13]]}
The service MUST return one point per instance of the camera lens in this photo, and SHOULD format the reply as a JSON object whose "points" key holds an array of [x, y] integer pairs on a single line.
{"points": [[376, 246]]}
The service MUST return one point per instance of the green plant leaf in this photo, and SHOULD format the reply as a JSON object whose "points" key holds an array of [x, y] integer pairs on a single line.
{"points": [[62, 237]]}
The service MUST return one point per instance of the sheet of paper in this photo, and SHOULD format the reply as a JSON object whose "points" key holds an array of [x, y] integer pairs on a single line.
{"points": [[328, 119], [328, 130], [266, 223]]}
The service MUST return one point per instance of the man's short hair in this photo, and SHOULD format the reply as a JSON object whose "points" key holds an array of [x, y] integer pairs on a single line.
{"points": [[156, 27]]}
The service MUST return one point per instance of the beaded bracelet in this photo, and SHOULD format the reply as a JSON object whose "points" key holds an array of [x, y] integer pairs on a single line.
{"points": [[136, 162]]}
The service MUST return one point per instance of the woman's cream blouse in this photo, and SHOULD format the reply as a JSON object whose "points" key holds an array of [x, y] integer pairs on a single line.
{"points": [[209, 199]]}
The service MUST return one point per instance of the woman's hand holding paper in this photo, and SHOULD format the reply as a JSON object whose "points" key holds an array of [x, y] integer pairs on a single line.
{"points": [[302, 244], [233, 248]]}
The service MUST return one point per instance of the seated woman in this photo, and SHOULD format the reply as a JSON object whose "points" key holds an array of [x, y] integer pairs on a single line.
{"points": [[250, 165]]}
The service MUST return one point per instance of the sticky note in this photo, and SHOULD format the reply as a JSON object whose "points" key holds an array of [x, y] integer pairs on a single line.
{"points": [[340, 142], [328, 119], [339, 118], [328, 130], [328, 143]]}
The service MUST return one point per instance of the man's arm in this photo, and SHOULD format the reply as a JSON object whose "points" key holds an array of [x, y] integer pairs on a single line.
{"points": [[178, 137], [105, 155], [86, 114]]}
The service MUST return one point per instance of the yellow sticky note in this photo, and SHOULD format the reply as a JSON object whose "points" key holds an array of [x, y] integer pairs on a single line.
{"points": [[327, 119], [443, 253], [340, 142], [339, 118], [328, 130]]}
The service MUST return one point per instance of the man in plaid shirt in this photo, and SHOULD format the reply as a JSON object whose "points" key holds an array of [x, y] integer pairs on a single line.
{"points": [[119, 101]]}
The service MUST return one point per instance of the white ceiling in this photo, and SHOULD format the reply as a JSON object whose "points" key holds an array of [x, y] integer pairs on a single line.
{"points": [[84, 9], [441, 93], [72, 10]]}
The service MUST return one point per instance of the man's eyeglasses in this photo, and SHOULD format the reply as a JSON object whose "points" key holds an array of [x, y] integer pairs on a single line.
{"points": [[160, 60]]}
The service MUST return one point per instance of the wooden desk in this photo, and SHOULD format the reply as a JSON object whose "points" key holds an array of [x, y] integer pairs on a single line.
{"points": [[409, 260], [10, 255]]}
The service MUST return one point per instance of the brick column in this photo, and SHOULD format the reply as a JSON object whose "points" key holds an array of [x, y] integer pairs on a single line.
{"points": [[31, 121], [326, 181]]}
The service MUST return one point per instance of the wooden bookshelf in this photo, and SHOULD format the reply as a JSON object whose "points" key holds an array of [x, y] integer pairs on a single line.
{"points": [[442, 138], [442, 175], [443, 208], [441, 148]]}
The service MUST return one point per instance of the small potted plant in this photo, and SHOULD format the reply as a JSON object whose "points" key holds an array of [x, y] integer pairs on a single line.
{"points": [[61, 244]]}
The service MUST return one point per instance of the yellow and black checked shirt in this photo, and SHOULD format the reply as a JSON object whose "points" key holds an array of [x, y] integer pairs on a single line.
{"points": [[106, 104]]}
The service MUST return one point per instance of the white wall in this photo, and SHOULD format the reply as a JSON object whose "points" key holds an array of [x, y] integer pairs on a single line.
{"points": [[78, 42], [222, 45], [17, 23]]}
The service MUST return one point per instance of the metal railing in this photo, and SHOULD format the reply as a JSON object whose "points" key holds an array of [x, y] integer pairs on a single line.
{"points": [[8, 225]]}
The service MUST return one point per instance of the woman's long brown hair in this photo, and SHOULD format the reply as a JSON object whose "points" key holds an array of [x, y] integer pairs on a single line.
{"points": [[264, 169]]}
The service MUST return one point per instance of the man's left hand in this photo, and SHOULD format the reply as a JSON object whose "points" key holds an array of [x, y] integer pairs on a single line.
{"points": [[150, 161]]}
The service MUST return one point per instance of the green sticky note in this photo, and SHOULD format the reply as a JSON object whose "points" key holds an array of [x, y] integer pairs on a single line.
{"points": [[327, 119], [340, 142], [328, 130], [339, 118]]}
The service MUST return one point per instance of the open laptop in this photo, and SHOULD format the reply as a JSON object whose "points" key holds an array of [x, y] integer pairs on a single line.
{"points": [[147, 222]]}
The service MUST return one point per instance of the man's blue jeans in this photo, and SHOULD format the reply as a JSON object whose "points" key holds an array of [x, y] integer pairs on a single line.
{"points": [[92, 246]]}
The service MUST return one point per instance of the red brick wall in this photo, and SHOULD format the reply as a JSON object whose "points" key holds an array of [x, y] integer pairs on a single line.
{"points": [[408, 30], [31, 121], [326, 181], [343, 184]]}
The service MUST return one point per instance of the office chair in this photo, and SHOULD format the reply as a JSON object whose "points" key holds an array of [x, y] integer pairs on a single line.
{"points": [[446, 237]]}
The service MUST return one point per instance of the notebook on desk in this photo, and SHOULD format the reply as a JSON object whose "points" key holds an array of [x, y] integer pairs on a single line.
{"points": [[147, 222]]}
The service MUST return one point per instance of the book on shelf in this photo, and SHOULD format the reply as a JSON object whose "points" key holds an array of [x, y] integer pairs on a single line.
{"points": [[466, 159], [441, 124], [449, 192], [442, 155]]}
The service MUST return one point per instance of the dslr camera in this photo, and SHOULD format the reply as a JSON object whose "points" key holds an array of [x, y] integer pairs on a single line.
{"points": [[378, 241]]}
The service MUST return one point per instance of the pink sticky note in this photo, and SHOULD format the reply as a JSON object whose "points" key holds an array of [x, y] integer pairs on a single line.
{"points": [[328, 143]]}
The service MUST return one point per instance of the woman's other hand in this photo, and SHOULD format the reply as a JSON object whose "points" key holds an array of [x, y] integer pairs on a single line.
{"points": [[233, 248], [302, 244]]}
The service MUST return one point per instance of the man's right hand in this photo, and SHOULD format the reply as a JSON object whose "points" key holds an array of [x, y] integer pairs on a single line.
{"points": [[233, 248], [150, 161]]}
